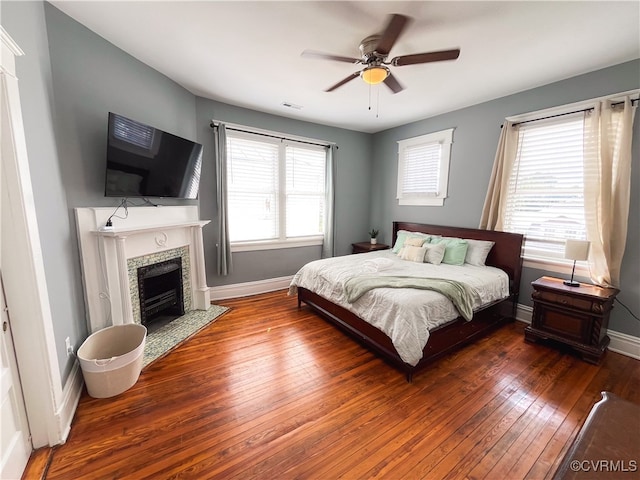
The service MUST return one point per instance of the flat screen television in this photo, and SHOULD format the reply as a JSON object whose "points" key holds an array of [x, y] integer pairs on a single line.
{"points": [[143, 161]]}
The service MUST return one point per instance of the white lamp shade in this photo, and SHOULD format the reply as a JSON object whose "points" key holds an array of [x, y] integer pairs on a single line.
{"points": [[577, 249]]}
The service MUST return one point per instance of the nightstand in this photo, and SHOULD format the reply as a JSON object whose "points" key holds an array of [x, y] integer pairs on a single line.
{"points": [[364, 247], [575, 316]]}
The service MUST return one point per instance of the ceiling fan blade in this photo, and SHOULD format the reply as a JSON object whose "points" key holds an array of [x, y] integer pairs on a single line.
{"points": [[394, 28], [393, 83], [342, 82], [425, 57], [328, 56]]}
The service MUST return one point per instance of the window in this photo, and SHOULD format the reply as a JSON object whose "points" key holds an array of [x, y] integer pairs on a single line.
{"points": [[423, 169], [545, 194], [275, 190]]}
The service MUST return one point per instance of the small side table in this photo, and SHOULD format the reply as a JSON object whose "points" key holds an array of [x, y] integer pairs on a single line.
{"points": [[575, 316], [364, 247]]}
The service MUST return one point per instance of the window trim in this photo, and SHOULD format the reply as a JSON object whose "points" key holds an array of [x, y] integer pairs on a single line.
{"points": [[568, 108], [445, 138], [295, 242], [281, 142]]}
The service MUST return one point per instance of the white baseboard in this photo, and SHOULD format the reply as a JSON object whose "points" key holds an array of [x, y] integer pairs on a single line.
{"points": [[620, 342], [524, 313], [70, 397], [250, 288], [625, 344]]}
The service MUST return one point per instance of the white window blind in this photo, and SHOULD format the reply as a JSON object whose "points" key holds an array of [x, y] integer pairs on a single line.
{"points": [[305, 172], [252, 189], [423, 168], [545, 197], [275, 190]]}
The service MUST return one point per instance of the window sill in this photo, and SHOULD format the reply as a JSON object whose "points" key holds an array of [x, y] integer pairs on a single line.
{"points": [[423, 202], [276, 244], [557, 266]]}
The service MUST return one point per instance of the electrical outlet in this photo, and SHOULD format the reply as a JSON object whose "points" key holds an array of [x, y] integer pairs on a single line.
{"points": [[67, 343]]}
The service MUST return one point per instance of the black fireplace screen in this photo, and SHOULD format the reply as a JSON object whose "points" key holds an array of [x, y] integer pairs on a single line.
{"points": [[160, 290]]}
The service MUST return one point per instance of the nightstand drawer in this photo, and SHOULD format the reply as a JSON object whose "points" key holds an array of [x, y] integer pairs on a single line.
{"points": [[565, 300]]}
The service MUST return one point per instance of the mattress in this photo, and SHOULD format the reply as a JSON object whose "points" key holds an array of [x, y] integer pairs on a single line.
{"points": [[405, 315]]}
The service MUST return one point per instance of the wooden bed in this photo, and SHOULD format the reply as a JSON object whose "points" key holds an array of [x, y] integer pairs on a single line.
{"points": [[505, 254]]}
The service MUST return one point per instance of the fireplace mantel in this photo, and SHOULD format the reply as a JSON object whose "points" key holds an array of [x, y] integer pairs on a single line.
{"points": [[146, 231], [125, 232]]}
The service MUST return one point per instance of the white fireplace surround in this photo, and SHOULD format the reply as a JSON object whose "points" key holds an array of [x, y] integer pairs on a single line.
{"points": [[145, 231]]}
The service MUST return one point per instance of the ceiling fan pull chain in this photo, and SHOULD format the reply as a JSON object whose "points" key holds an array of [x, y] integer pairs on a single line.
{"points": [[369, 97], [377, 102]]}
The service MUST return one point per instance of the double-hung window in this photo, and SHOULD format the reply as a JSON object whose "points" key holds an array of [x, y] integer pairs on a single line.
{"points": [[275, 191], [545, 192], [564, 174], [423, 168]]}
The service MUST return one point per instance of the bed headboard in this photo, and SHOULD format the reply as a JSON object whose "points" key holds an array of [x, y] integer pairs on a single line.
{"points": [[506, 254]]}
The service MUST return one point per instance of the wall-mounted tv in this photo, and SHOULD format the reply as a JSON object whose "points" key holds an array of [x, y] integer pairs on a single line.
{"points": [[143, 161]]}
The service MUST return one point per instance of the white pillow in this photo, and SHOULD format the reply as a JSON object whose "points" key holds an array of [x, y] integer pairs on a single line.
{"points": [[435, 253], [477, 252], [413, 254], [415, 241]]}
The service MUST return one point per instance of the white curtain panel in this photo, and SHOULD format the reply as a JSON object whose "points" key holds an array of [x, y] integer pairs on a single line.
{"points": [[492, 212], [607, 169]]}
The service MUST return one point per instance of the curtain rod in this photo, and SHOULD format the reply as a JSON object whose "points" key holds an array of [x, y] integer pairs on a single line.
{"points": [[633, 100], [237, 128]]}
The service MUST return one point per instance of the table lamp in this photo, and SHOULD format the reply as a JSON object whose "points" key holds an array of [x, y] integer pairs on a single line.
{"points": [[575, 250]]}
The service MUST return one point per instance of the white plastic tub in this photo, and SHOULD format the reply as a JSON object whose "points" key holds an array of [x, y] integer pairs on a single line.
{"points": [[111, 359]]}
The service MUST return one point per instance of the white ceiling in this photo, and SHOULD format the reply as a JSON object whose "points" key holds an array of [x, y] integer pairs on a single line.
{"points": [[248, 53]]}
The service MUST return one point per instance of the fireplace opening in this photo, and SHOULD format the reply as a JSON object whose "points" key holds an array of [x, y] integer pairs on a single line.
{"points": [[160, 292]]}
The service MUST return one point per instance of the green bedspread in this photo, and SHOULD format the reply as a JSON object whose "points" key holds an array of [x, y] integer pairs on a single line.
{"points": [[460, 294]]}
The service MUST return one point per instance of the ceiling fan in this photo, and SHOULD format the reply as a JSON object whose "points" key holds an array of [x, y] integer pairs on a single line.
{"points": [[375, 49]]}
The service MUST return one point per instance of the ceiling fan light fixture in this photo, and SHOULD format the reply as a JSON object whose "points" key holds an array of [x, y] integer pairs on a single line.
{"points": [[375, 74]]}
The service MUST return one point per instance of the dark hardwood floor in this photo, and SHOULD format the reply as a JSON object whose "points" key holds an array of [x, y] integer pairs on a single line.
{"points": [[270, 391]]}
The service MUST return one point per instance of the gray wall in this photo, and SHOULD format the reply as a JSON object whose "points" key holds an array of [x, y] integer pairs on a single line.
{"points": [[92, 77], [25, 22], [89, 78], [352, 191], [475, 140]]}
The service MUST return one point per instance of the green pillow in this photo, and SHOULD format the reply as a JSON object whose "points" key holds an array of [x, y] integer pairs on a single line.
{"points": [[455, 249], [399, 242]]}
